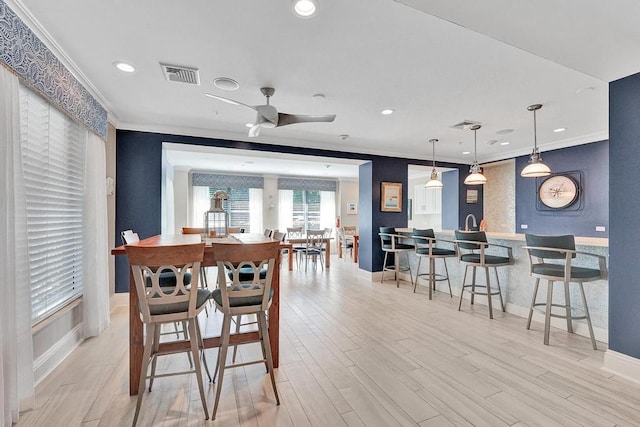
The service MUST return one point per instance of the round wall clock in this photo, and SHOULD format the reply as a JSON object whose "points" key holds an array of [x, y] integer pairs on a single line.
{"points": [[558, 191]]}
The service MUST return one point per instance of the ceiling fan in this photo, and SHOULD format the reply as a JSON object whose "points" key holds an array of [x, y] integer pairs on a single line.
{"points": [[269, 117]]}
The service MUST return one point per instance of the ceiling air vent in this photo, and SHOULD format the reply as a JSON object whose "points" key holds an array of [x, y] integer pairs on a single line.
{"points": [[464, 125], [176, 73]]}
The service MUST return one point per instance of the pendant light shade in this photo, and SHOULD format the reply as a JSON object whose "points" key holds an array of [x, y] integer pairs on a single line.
{"points": [[535, 168], [475, 173], [434, 182]]}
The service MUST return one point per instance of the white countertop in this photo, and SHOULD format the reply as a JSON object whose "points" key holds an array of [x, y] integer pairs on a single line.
{"points": [[585, 241]]}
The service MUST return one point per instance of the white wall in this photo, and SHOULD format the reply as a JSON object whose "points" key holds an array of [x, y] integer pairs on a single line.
{"points": [[348, 192], [181, 197], [270, 201], [421, 221]]}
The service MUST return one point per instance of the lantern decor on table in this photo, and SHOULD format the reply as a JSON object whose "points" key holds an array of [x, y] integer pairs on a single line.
{"points": [[216, 220]]}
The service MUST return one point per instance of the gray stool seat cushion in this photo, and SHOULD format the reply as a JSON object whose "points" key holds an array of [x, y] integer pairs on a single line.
{"points": [[435, 251], [488, 259], [246, 274], [201, 298], [398, 246], [168, 279], [556, 270], [239, 302]]}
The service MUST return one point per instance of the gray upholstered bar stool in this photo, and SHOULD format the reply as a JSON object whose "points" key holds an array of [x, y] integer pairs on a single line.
{"points": [[390, 241], [425, 247], [472, 252], [550, 258]]}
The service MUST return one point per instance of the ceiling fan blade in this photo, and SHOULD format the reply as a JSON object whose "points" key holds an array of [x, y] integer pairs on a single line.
{"points": [[289, 119], [228, 100], [254, 131]]}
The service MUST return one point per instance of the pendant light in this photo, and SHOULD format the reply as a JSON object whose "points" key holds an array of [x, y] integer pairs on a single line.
{"points": [[475, 173], [535, 168], [434, 182]]}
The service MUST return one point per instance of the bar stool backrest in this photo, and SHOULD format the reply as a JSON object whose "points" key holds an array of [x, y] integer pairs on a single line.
{"points": [[386, 240], [477, 236], [558, 242]]}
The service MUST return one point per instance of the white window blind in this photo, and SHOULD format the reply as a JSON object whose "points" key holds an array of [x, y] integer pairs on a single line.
{"points": [[53, 167]]}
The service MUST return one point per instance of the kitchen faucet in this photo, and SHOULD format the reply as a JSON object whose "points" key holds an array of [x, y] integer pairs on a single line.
{"points": [[466, 222]]}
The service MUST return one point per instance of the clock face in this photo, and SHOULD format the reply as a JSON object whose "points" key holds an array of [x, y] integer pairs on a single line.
{"points": [[559, 191]]}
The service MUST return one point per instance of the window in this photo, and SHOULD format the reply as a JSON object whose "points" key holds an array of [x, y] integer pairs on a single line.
{"points": [[244, 205], [306, 203], [53, 167]]}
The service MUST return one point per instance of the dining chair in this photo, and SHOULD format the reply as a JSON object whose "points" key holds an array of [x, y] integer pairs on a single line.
{"points": [[426, 246], [392, 243], [167, 279], [552, 258], [346, 242], [268, 232], [204, 282], [472, 248], [243, 297], [296, 233], [313, 248], [160, 305]]}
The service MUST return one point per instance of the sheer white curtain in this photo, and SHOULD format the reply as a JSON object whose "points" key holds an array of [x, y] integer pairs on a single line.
{"points": [[255, 210], [201, 204], [95, 298], [16, 350], [285, 210], [327, 209]]}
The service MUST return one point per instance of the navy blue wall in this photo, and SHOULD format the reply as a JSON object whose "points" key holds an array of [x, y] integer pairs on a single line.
{"points": [[593, 162], [624, 205], [139, 180], [477, 209]]}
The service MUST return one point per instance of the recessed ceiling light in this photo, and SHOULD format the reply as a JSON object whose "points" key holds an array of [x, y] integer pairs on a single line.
{"points": [[492, 141], [505, 143], [504, 131], [305, 8], [559, 130], [387, 111], [466, 152], [319, 97], [343, 137], [225, 83], [586, 89], [123, 66], [249, 125]]}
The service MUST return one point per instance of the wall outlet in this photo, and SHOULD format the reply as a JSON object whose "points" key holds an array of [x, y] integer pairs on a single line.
{"points": [[600, 228], [524, 226]]}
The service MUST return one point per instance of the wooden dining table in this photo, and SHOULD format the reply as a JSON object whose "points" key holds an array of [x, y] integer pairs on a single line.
{"points": [[136, 335]]}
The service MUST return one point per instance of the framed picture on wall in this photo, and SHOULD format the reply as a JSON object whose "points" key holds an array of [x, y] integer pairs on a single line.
{"points": [[352, 208], [391, 197]]}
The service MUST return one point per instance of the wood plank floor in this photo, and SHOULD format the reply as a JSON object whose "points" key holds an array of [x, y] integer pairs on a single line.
{"points": [[356, 353]]}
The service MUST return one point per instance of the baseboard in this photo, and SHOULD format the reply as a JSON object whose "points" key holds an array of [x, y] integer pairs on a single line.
{"points": [[622, 365], [44, 364], [118, 300]]}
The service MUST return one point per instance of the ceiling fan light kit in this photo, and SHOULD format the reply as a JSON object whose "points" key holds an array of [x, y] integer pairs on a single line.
{"points": [[434, 182], [475, 176], [269, 117], [535, 168]]}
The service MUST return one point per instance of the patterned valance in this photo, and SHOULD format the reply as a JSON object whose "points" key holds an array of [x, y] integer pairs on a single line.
{"points": [[23, 52], [307, 184], [226, 181]]}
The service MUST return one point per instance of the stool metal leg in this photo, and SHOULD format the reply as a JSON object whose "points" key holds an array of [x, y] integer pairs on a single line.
{"points": [[432, 276], [406, 254], [464, 281], [489, 296], [547, 313], [567, 306], [396, 267], [588, 316], [417, 275], [384, 265], [473, 285], [444, 261], [499, 290], [533, 302]]}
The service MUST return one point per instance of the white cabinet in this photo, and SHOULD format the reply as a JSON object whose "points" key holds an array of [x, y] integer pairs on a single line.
{"points": [[427, 201]]}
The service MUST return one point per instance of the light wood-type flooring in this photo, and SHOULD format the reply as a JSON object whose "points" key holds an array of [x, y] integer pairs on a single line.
{"points": [[358, 353]]}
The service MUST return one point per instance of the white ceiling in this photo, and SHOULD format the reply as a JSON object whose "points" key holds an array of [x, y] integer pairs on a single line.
{"points": [[435, 62]]}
